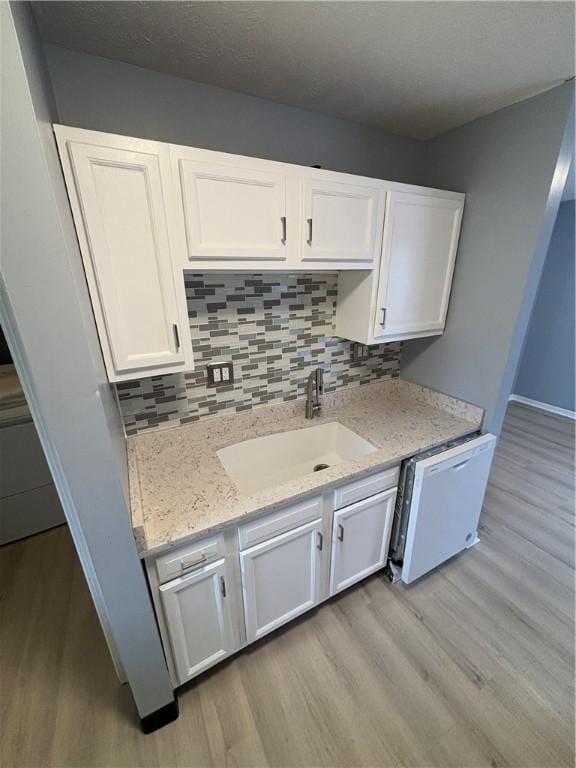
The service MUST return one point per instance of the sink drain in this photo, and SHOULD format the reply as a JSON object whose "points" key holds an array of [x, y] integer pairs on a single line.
{"points": [[319, 467]]}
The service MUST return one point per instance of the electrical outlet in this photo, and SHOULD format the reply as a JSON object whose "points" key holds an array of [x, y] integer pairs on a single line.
{"points": [[359, 352], [220, 374]]}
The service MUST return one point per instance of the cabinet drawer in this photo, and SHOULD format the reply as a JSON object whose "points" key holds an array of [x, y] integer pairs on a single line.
{"points": [[278, 522], [367, 486], [185, 559]]}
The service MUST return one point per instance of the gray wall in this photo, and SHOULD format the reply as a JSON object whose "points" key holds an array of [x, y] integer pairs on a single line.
{"points": [[92, 92], [505, 163], [546, 371], [47, 318]]}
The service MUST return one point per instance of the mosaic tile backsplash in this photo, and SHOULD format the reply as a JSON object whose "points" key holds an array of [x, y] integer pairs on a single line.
{"points": [[275, 328]]}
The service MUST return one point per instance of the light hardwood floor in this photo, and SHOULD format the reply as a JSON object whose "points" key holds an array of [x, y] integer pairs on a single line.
{"points": [[471, 666]]}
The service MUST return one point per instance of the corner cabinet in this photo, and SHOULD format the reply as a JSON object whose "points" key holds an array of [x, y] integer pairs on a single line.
{"points": [[117, 188], [408, 296]]}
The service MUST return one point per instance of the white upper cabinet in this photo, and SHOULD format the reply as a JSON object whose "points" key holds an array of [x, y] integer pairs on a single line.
{"points": [[408, 296], [243, 213], [418, 253], [145, 211], [117, 188], [234, 213], [342, 222]]}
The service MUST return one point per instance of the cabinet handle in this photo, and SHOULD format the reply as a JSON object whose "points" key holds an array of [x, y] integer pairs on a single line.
{"points": [[184, 564], [383, 321], [319, 541], [340, 532], [222, 586], [309, 241], [176, 336], [283, 220]]}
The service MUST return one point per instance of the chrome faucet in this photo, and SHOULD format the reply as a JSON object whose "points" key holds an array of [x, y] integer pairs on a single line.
{"points": [[314, 388]]}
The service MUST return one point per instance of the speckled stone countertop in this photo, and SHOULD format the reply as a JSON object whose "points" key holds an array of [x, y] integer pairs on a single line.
{"points": [[179, 489]]}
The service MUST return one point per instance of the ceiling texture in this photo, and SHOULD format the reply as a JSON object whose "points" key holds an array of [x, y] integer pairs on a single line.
{"points": [[409, 68]]}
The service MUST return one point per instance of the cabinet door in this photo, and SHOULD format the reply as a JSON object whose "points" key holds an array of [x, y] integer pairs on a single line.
{"points": [[419, 248], [342, 222], [117, 196], [198, 617], [360, 538], [232, 213], [280, 578]]}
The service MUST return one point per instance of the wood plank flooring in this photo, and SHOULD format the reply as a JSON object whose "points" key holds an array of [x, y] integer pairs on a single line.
{"points": [[471, 666]]}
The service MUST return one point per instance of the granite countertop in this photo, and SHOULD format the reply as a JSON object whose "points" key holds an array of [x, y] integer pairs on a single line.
{"points": [[180, 491]]}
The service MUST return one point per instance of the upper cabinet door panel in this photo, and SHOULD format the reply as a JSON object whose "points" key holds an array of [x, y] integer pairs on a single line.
{"points": [[341, 222], [127, 257], [233, 213], [419, 249]]}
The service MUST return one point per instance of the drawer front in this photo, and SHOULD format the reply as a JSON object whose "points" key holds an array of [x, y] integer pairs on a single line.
{"points": [[367, 486], [186, 559], [278, 522]]}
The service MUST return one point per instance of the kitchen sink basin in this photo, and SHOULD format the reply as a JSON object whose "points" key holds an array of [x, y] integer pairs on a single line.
{"points": [[254, 465]]}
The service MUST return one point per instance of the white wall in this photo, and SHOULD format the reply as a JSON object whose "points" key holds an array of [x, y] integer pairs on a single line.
{"points": [[47, 318], [505, 163], [546, 370]]}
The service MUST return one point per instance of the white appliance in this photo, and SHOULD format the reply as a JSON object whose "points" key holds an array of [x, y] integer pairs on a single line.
{"points": [[439, 503]]}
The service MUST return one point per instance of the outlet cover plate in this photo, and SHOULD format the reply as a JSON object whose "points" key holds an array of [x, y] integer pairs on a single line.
{"points": [[220, 374]]}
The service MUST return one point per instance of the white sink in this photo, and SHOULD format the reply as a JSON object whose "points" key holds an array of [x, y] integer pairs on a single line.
{"points": [[266, 461]]}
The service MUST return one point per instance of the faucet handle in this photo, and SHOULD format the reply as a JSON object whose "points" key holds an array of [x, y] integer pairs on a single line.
{"points": [[319, 381]]}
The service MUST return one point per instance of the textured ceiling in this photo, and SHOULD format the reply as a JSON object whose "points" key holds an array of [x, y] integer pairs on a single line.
{"points": [[411, 68]]}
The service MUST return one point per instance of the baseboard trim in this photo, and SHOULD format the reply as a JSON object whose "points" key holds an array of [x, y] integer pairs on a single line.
{"points": [[544, 406]]}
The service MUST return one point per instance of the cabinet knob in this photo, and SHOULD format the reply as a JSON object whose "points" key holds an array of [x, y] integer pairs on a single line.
{"points": [[340, 532], [383, 320], [309, 241], [176, 335], [319, 541], [283, 238]]}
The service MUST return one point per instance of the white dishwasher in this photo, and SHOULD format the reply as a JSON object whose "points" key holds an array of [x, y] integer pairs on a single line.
{"points": [[439, 502]]}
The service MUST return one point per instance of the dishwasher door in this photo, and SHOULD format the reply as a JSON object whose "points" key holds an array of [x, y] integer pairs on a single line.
{"points": [[446, 502]]}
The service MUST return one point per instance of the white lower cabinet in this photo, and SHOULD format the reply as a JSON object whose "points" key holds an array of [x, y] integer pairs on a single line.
{"points": [[269, 570], [408, 296], [117, 188], [198, 617], [281, 578], [360, 538]]}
